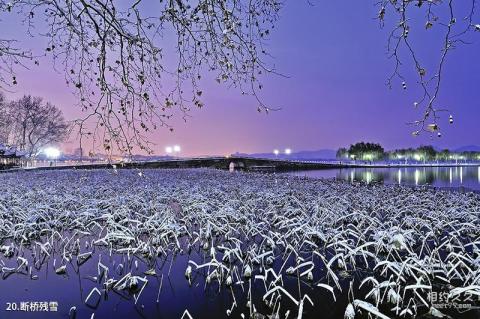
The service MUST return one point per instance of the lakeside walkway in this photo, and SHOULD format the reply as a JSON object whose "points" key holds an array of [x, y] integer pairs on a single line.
{"points": [[251, 164]]}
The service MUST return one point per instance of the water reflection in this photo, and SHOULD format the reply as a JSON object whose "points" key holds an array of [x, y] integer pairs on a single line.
{"points": [[166, 295], [468, 176]]}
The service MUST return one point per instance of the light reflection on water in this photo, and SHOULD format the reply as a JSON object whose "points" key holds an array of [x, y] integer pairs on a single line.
{"points": [[452, 177]]}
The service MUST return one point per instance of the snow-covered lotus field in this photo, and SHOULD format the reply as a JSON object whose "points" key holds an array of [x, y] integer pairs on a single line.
{"points": [[213, 244]]}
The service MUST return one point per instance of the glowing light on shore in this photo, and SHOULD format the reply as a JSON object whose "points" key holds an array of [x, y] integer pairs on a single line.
{"points": [[52, 152], [173, 149], [288, 151], [368, 156], [276, 152]]}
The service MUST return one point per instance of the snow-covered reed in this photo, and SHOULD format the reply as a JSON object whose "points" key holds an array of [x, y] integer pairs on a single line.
{"points": [[387, 247]]}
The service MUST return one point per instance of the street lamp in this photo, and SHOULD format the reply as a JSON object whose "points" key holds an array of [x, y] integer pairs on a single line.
{"points": [[288, 151], [52, 154], [173, 149], [276, 152]]}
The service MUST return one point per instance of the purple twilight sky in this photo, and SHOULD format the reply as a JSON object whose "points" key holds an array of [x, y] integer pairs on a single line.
{"points": [[335, 56]]}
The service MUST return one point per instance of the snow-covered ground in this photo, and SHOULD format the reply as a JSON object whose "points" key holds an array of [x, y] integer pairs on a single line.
{"points": [[389, 250]]}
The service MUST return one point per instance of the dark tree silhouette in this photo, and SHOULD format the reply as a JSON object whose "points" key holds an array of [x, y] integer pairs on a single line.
{"points": [[367, 151], [428, 152], [32, 124], [5, 119]]}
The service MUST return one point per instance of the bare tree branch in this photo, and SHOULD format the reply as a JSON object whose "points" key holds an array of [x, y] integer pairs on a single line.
{"points": [[115, 57], [399, 38]]}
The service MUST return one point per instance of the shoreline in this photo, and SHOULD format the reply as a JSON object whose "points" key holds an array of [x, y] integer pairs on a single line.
{"points": [[248, 163]]}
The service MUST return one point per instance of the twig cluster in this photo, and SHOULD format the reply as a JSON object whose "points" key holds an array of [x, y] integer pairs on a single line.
{"points": [[119, 57], [438, 14]]}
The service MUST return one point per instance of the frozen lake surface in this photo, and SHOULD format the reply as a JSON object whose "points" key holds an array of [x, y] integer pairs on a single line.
{"points": [[158, 243]]}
